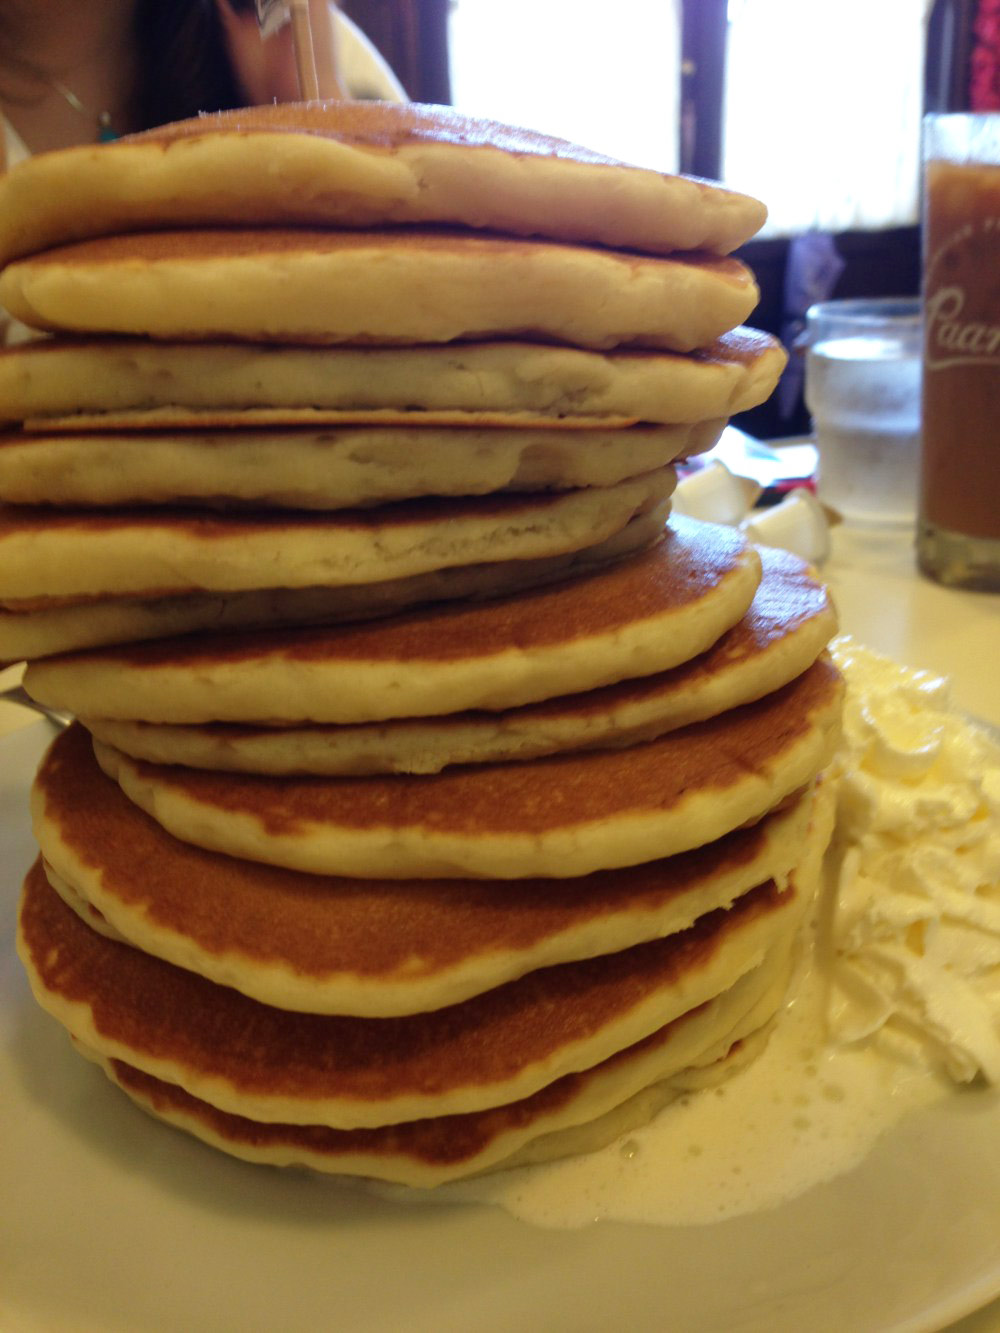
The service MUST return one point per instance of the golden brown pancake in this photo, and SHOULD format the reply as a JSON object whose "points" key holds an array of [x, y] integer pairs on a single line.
{"points": [[377, 287], [80, 553], [367, 947], [358, 164], [327, 468], [274, 1065], [790, 621], [82, 383], [639, 616], [563, 815], [577, 1113], [544, 949]]}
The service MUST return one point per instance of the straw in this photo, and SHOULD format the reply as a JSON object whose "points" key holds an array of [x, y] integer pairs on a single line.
{"points": [[305, 55], [315, 43], [326, 48]]}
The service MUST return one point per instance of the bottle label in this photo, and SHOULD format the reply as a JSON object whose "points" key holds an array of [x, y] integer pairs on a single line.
{"points": [[954, 339]]}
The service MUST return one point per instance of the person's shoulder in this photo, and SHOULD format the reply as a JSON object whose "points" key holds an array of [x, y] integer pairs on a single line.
{"points": [[365, 73], [12, 151], [12, 146]]}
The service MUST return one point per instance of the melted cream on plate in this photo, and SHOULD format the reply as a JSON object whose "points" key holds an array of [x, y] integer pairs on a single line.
{"points": [[806, 1110]]}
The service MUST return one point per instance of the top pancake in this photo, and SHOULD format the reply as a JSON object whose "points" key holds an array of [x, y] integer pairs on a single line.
{"points": [[369, 287], [361, 164]]}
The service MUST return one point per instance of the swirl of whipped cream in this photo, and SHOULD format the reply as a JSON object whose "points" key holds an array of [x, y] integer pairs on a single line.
{"points": [[914, 925]]}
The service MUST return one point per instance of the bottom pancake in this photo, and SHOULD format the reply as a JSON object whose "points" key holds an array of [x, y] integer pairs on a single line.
{"points": [[552, 1124], [349, 1073]]}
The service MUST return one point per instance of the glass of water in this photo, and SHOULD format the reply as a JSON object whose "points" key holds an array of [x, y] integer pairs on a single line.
{"points": [[863, 369]]}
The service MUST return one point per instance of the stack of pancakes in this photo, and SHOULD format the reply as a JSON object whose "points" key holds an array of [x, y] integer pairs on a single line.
{"points": [[435, 805]]}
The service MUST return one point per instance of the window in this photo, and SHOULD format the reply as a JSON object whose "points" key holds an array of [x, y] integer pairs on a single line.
{"points": [[606, 76], [817, 105], [822, 111]]}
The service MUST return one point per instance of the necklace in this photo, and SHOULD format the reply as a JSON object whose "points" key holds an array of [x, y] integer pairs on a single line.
{"points": [[105, 130]]}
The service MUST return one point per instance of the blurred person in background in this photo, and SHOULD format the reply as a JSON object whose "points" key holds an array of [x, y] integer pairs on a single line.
{"points": [[83, 71], [79, 71]]}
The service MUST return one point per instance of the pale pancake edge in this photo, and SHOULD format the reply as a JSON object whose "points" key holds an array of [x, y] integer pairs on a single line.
{"points": [[327, 468], [327, 287], [63, 627], [357, 164], [82, 553], [111, 382], [653, 612]]}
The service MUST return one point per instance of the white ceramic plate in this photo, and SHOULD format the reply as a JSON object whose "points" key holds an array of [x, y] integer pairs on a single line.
{"points": [[112, 1222]]}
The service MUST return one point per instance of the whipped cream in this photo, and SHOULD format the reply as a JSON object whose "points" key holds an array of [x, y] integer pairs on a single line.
{"points": [[914, 928]]}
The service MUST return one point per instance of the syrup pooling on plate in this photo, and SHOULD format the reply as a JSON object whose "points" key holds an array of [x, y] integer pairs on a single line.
{"points": [[896, 993]]}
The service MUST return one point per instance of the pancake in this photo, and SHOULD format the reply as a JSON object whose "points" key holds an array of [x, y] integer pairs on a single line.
{"points": [[365, 947], [94, 382], [422, 286], [358, 164], [578, 1113], [344, 1072], [647, 614], [790, 621], [74, 553], [564, 815], [328, 468], [67, 626]]}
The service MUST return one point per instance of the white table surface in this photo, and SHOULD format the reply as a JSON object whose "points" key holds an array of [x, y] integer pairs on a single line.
{"points": [[883, 602], [888, 605]]}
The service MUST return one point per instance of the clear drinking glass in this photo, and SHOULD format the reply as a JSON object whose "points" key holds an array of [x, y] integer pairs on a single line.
{"points": [[958, 534], [863, 391]]}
